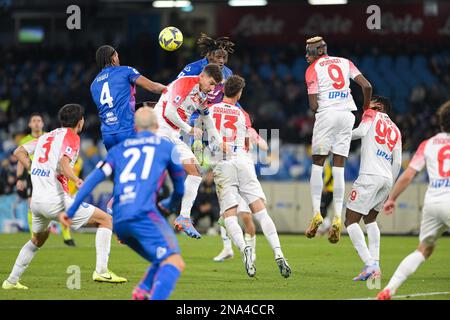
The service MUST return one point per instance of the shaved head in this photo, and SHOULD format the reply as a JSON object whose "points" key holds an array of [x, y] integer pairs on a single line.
{"points": [[145, 119]]}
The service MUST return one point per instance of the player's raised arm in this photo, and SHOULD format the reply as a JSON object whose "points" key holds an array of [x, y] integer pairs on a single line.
{"points": [[149, 85], [366, 88]]}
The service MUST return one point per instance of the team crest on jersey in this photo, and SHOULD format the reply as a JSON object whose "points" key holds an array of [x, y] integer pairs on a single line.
{"points": [[160, 252]]}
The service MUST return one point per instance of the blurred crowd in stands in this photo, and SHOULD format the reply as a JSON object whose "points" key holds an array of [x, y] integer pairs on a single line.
{"points": [[39, 79]]}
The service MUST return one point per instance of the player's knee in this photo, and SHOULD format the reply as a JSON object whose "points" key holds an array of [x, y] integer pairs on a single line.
{"points": [[39, 239], [349, 221], [319, 160], [103, 219], [175, 260], [426, 249]]}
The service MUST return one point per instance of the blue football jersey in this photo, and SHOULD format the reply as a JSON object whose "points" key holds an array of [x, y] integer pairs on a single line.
{"points": [[139, 166], [196, 67], [113, 92]]}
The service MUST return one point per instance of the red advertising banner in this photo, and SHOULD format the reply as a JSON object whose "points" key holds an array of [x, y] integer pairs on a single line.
{"points": [[279, 24]]}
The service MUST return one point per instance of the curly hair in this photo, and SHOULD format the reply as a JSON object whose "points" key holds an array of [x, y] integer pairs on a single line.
{"points": [[207, 44], [444, 116]]}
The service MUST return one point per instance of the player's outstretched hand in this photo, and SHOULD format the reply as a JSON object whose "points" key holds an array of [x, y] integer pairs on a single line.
{"points": [[65, 220], [196, 132], [20, 185], [389, 207], [79, 183]]}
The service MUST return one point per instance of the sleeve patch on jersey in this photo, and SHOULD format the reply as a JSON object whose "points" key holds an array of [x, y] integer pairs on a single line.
{"points": [[105, 167], [177, 99], [68, 151]]}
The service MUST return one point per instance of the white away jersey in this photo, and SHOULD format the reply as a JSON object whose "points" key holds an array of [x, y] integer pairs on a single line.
{"points": [[435, 153], [49, 185], [381, 144], [329, 78], [185, 97], [232, 123]]}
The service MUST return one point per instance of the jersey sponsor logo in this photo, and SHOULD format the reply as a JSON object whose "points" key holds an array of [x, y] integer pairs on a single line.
{"points": [[128, 194], [440, 183], [338, 94], [40, 172], [160, 252], [111, 118], [384, 155]]}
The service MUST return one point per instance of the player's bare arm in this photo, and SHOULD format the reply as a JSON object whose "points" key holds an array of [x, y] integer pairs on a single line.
{"points": [[23, 157], [149, 85], [366, 88], [67, 171], [256, 139], [313, 104], [402, 183]]}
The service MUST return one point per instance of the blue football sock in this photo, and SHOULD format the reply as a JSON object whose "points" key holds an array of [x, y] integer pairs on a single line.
{"points": [[147, 281], [164, 282]]}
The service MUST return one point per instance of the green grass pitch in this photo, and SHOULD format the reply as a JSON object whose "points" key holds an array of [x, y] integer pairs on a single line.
{"points": [[320, 270]]}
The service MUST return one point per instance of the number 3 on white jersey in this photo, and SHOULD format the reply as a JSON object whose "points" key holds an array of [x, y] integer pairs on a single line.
{"points": [[105, 96], [135, 155]]}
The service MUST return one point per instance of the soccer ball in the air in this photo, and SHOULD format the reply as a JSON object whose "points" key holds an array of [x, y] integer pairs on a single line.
{"points": [[170, 38]]}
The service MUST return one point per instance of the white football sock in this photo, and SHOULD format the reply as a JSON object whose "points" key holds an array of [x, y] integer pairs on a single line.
{"points": [[373, 235], [359, 242], [24, 258], [102, 247], [270, 231], [225, 239], [338, 190], [251, 241], [316, 186], [191, 185], [407, 267], [235, 232]]}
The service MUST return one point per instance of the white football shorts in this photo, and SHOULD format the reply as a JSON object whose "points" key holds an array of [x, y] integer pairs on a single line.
{"points": [[236, 179], [332, 132], [435, 221], [44, 212], [369, 192]]}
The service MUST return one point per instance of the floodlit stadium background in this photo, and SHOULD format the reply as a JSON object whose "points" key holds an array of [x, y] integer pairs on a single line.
{"points": [[44, 65]]}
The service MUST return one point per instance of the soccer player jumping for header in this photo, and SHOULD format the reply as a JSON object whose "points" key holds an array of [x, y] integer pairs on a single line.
{"points": [[328, 83]]}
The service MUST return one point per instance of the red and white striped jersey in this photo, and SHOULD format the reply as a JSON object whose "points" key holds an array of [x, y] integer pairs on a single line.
{"points": [[185, 96], [435, 154], [329, 78], [381, 145], [232, 123], [49, 185]]}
